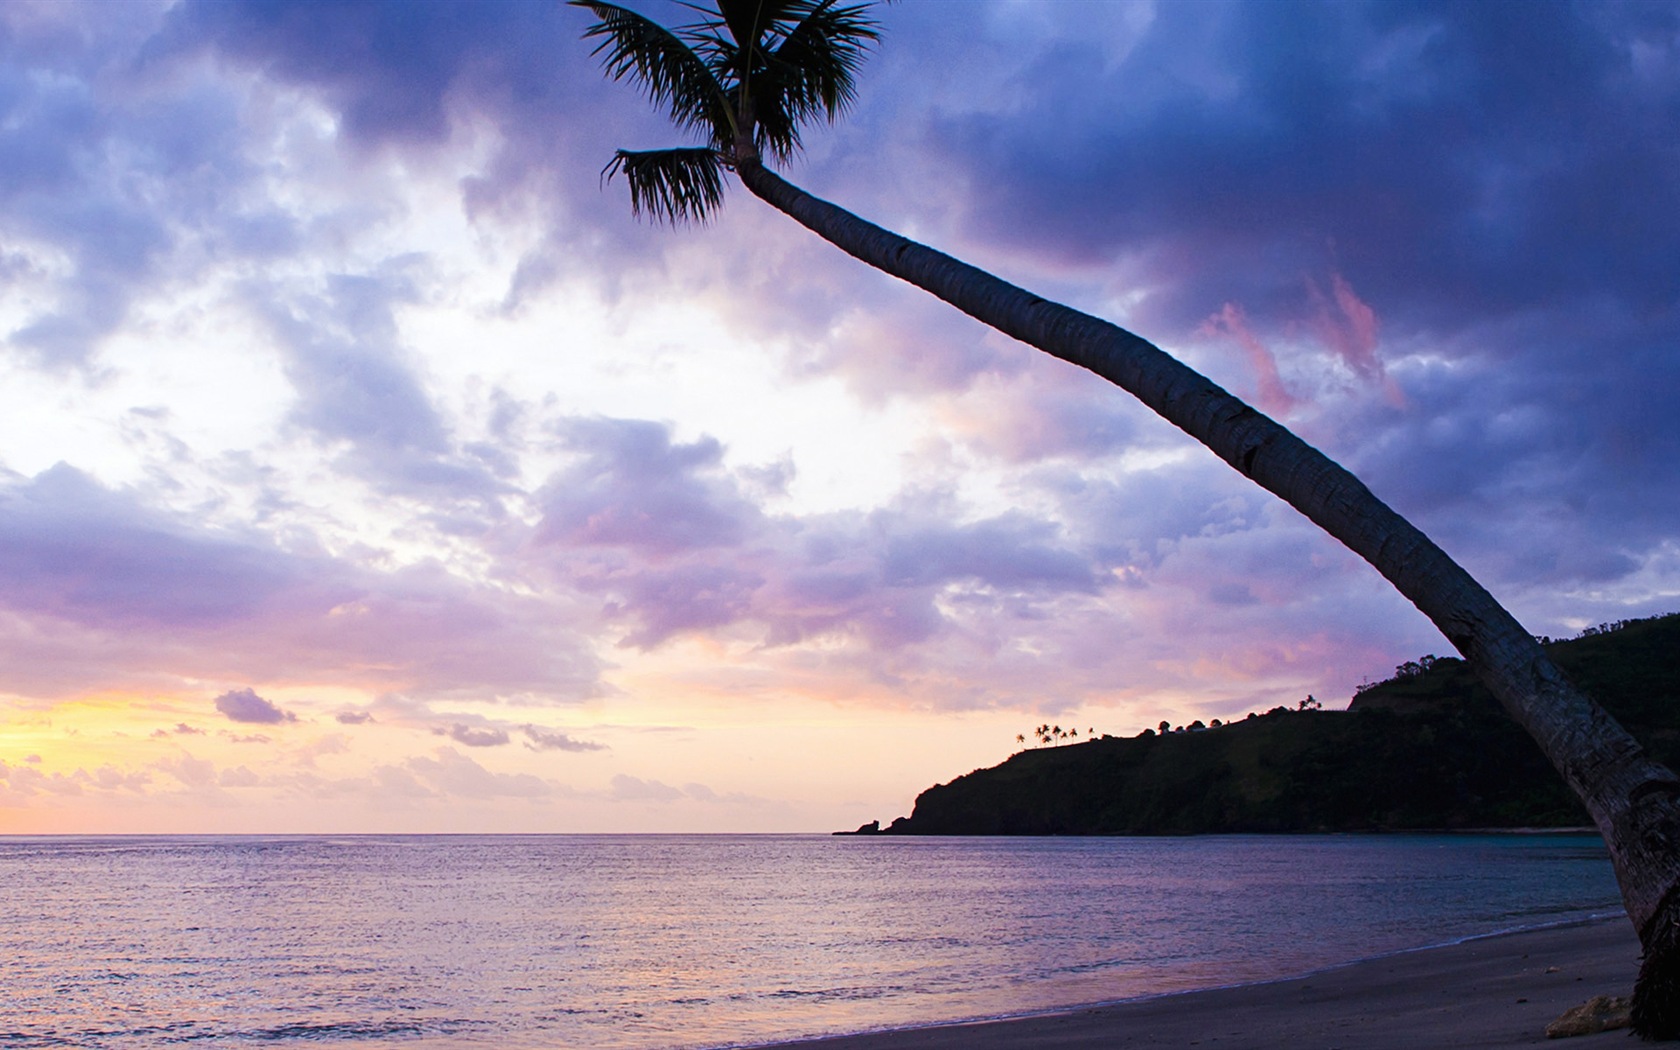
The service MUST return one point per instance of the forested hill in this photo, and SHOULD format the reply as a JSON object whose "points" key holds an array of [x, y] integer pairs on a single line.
{"points": [[1426, 749]]}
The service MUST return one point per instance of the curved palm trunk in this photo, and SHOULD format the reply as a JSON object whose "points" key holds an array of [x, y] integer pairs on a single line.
{"points": [[1632, 799]]}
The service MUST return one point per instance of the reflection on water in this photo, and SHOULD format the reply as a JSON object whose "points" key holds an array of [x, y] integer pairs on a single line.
{"points": [[645, 942]]}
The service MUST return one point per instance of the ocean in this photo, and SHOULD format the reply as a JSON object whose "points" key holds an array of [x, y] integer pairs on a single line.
{"points": [[651, 942]]}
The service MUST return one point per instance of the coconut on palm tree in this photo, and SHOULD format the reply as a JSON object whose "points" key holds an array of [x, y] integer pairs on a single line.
{"points": [[747, 74]]}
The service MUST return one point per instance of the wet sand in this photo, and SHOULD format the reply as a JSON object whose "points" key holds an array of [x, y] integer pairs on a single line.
{"points": [[1490, 993]]}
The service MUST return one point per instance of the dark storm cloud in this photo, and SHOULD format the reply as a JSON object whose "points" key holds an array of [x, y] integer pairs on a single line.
{"points": [[1440, 239], [389, 66], [1450, 159], [244, 705]]}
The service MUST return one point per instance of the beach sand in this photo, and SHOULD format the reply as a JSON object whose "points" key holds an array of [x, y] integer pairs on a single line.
{"points": [[1494, 992]]}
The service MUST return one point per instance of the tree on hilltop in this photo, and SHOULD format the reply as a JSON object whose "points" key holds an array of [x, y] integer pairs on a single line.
{"points": [[748, 74]]}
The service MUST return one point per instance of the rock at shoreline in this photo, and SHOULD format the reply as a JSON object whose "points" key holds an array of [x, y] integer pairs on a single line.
{"points": [[871, 828], [1601, 1013]]}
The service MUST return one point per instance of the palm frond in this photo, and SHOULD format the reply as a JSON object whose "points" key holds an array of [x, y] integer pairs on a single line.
{"points": [[663, 63], [722, 57], [775, 131], [807, 70], [677, 186], [747, 20], [815, 64]]}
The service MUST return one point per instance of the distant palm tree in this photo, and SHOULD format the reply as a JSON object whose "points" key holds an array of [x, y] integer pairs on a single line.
{"points": [[748, 74]]}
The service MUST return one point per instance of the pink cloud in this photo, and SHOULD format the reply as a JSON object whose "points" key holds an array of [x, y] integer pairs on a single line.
{"points": [[1350, 331], [99, 590], [1271, 395]]}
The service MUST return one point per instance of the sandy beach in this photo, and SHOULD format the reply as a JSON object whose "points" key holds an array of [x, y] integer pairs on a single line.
{"points": [[1491, 993]]}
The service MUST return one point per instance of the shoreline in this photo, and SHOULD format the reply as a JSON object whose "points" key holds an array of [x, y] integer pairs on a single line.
{"points": [[1491, 993]]}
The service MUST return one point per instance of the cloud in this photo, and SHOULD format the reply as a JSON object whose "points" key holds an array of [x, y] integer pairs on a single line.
{"points": [[181, 729], [634, 488], [1432, 235], [58, 525], [910, 597], [244, 705], [239, 776], [457, 70], [192, 772], [106, 587], [1437, 237], [475, 736], [451, 773], [391, 69], [19, 785], [1271, 396], [675, 547], [626, 788], [344, 357], [540, 739]]}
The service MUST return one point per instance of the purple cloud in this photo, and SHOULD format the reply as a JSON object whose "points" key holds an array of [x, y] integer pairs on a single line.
{"points": [[682, 549], [1437, 238], [72, 549], [404, 76], [540, 739], [345, 360], [626, 788], [244, 705], [1449, 228], [634, 488], [389, 67], [181, 729], [135, 595], [475, 736], [449, 772]]}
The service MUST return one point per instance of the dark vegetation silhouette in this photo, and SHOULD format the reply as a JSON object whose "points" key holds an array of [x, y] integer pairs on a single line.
{"points": [[1048, 734], [1424, 750], [746, 75]]}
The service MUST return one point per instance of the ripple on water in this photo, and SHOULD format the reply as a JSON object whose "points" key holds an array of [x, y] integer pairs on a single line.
{"points": [[645, 942]]}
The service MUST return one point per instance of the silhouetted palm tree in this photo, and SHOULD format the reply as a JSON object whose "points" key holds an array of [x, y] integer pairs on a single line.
{"points": [[747, 74]]}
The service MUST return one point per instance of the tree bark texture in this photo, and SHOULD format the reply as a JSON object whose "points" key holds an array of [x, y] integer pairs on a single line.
{"points": [[1632, 799]]}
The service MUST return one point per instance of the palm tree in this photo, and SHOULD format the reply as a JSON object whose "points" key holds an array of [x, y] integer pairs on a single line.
{"points": [[748, 74]]}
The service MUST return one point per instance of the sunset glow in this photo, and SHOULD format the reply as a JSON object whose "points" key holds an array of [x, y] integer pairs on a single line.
{"points": [[365, 466]]}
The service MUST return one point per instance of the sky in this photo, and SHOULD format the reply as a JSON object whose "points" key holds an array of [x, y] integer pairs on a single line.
{"points": [[366, 466]]}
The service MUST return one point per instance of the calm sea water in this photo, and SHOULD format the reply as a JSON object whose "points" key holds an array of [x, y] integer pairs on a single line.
{"points": [[645, 942]]}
